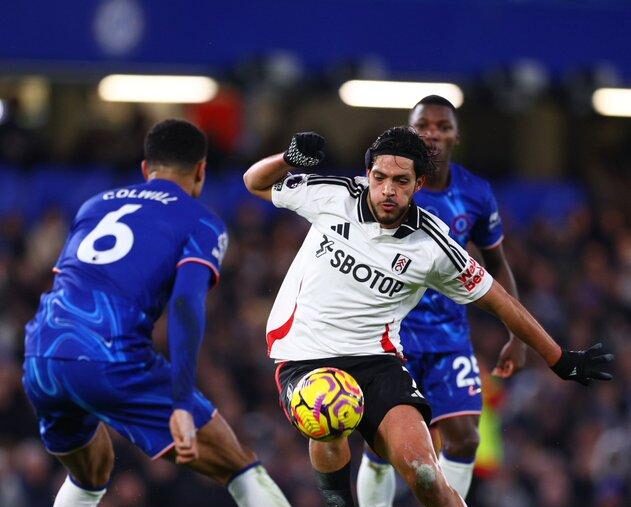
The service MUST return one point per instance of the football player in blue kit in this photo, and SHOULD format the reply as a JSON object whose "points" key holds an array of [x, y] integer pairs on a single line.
{"points": [[436, 335], [89, 358]]}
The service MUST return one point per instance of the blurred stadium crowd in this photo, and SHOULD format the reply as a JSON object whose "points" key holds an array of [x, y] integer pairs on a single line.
{"points": [[545, 443]]}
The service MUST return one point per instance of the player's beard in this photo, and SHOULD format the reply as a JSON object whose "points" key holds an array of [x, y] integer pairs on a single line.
{"points": [[392, 217]]}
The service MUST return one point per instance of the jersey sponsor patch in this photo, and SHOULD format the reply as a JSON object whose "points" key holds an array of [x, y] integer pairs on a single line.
{"points": [[472, 276], [400, 264], [348, 265], [325, 246]]}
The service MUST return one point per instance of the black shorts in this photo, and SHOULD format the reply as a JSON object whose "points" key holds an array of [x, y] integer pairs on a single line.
{"points": [[383, 379]]}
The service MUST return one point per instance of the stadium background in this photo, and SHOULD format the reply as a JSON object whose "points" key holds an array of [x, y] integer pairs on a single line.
{"points": [[560, 172]]}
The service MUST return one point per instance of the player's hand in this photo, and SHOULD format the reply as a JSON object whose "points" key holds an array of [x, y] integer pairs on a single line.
{"points": [[512, 358], [583, 365], [305, 150], [184, 435]]}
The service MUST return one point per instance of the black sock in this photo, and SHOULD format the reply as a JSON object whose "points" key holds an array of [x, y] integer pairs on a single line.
{"points": [[336, 487]]}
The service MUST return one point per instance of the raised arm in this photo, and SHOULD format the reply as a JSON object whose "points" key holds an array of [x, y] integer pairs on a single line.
{"points": [[305, 150], [582, 366], [264, 174]]}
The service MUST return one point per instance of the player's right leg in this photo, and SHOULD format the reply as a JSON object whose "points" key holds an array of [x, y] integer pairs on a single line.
{"points": [[89, 470], [70, 433], [330, 460]]}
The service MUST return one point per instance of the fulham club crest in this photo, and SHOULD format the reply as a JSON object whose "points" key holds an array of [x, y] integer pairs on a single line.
{"points": [[400, 264]]}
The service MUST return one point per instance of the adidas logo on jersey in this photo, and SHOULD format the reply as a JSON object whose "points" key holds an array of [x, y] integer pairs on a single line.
{"points": [[342, 229]]}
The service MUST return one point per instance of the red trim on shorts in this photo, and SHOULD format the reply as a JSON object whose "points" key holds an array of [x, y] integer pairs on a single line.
{"points": [[163, 451], [279, 387], [281, 332]]}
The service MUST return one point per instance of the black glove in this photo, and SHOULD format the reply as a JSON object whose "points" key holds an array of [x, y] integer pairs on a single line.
{"points": [[305, 150], [583, 365]]}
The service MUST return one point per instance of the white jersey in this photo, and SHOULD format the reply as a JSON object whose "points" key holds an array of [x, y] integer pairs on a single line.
{"points": [[352, 281]]}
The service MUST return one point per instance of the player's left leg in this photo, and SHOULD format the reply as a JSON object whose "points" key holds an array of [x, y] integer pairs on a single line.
{"points": [[404, 440], [140, 411], [223, 458], [460, 440]]}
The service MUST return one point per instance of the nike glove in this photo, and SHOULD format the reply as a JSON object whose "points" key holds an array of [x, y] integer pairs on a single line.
{"points": [[305, 150], [583, 365]]}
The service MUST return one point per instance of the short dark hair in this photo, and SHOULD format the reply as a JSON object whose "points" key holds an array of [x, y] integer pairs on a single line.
{"points": [[405, 142], [175, 142], [435, 100]]}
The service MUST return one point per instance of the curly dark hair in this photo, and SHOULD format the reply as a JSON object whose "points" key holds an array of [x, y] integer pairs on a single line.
{"points": [[176, 143], [405, 142]]}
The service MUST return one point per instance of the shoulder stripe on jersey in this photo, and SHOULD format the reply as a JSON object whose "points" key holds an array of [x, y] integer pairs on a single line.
{"points": [[347, 179], [350, 182], [445, 246], [360, 212], [449, 241], [432, 223], [353, 188], [444, 242]]}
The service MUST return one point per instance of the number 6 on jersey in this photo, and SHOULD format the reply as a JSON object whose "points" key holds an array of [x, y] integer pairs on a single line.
{"points": [[109, 226]]}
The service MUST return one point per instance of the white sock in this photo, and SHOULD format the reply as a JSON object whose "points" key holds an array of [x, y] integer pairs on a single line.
{"points": [[376, 483], [71, 495], [458, 475], [253, 487]]}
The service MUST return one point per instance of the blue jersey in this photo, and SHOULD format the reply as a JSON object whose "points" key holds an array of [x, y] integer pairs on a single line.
{"points": [[469, 208], [116, 272]]}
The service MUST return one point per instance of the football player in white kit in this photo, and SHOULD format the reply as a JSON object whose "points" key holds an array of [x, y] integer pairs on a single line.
{"points": [[368, 258]]}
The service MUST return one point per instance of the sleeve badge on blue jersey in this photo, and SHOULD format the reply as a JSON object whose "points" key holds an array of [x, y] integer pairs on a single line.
{"points": [[222, 245], [400, 264], [494, 220]]}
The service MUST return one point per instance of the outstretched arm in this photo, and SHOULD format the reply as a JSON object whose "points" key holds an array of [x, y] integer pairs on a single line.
{"points": [[520, 322], [582, 366], [513, 355], [305, 150]]}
